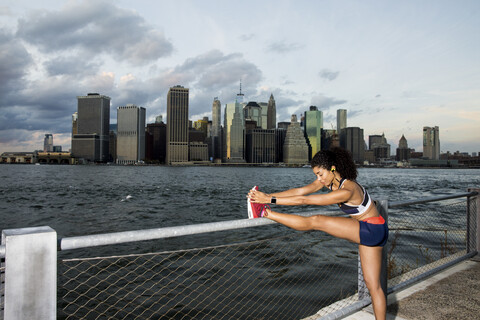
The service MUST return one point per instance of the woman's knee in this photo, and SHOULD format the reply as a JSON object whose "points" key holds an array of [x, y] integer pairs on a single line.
{"points": [[372, 284]]}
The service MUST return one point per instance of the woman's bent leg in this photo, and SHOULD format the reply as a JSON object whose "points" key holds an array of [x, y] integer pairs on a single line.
{"points": [[371, 260]]}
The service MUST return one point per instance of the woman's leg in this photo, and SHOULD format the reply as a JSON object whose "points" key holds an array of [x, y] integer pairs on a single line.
{"points": [[349, 229], [371, 260], [340, 227]]}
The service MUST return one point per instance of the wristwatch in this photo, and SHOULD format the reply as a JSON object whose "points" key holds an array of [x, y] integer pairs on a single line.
{"points": [[273, 200]]}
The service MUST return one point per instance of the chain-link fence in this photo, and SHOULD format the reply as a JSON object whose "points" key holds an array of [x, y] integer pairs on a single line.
{"points": [[297, 275], [424, 236], [288, 277], [281, 278]]}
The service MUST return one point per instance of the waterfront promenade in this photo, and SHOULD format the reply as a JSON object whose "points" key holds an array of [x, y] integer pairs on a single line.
{"points": [[451, 294]]}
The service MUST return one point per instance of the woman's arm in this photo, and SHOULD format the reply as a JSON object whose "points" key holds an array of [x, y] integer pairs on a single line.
{"points": [[337, 196], [325, 199], [302, 191], [262, 197]]}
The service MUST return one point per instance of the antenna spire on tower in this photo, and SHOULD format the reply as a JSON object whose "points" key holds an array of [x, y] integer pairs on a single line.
{"points": [[240, 94]]}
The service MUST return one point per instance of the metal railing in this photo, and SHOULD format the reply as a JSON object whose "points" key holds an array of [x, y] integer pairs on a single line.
{"points": [[424, 236], [291, 275]]}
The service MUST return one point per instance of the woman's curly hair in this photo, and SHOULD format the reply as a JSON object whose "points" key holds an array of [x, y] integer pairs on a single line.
{"points": [[338, 157]]}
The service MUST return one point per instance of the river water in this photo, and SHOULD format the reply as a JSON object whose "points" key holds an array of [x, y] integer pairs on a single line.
{"points": [[82, 200]]}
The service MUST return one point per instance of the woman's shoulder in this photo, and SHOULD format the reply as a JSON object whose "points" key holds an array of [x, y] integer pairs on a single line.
{"points": [[350, 184]]}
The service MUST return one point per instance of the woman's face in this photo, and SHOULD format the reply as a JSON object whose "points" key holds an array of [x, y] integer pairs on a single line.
{"points": [[325, 176]]}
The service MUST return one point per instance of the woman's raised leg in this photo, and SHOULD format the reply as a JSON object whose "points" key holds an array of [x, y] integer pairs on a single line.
{"points": [[340, 227]]}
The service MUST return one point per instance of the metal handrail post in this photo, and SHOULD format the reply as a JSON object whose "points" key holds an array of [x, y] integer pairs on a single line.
{"points": [[30, 289], [473, 221]]}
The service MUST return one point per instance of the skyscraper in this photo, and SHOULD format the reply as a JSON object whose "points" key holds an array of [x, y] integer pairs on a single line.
{"points": [[402, 143], [253, 111], [341, 124], [283, 125], [378, 144], [280, 135], [177, 125], [155, 140], [313, 129], [236, 135], [271, 113], [431, 143], [234, 127], [403, 152], [352, 140], [260, 146], [48, 143], [74, 123], [216, 135], [375, 140], [329, 139], [341, 119], [216, 117], [202, 126], [130, 134], [295, 148], [92, 138], [264, 114]]}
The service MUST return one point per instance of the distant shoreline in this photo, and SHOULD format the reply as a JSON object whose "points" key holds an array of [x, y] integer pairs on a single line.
{"points": [[235, 165]]}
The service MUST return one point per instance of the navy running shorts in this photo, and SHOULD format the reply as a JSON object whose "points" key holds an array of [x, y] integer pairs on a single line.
{"points": [[373, 232]]}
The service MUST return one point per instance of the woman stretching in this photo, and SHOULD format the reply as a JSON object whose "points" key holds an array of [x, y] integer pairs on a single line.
{"points": [[336, 170]]}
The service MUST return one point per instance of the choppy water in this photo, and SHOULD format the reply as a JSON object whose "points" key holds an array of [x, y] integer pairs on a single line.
{"points": [[81, 200]]}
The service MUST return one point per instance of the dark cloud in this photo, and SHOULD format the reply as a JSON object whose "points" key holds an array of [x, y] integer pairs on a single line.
{"points": [[225, 70], [95, 27], [75, 40], [136, 91], [77, 65], [214, 74], [209, 75], [283, 47], [32, 118], [328, 74], [14, 64]]}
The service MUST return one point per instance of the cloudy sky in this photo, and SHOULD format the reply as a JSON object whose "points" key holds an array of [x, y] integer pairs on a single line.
{"points": [[396, 66]]}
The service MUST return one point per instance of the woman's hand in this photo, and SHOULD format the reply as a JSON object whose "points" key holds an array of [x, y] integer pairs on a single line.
{"points": [[256, 196]]}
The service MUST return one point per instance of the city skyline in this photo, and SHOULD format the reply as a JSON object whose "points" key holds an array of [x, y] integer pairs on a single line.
{"points": [[396, 67]]}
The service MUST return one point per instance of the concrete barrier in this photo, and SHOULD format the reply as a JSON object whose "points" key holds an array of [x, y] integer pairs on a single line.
{"points": [[30, 290]]}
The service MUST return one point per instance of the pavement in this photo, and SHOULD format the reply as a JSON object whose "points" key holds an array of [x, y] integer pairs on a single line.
{"points": [[451, 294]]}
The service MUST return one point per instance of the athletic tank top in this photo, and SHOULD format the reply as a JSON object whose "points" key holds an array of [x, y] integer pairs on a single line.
{"points": [[359, 209]]}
